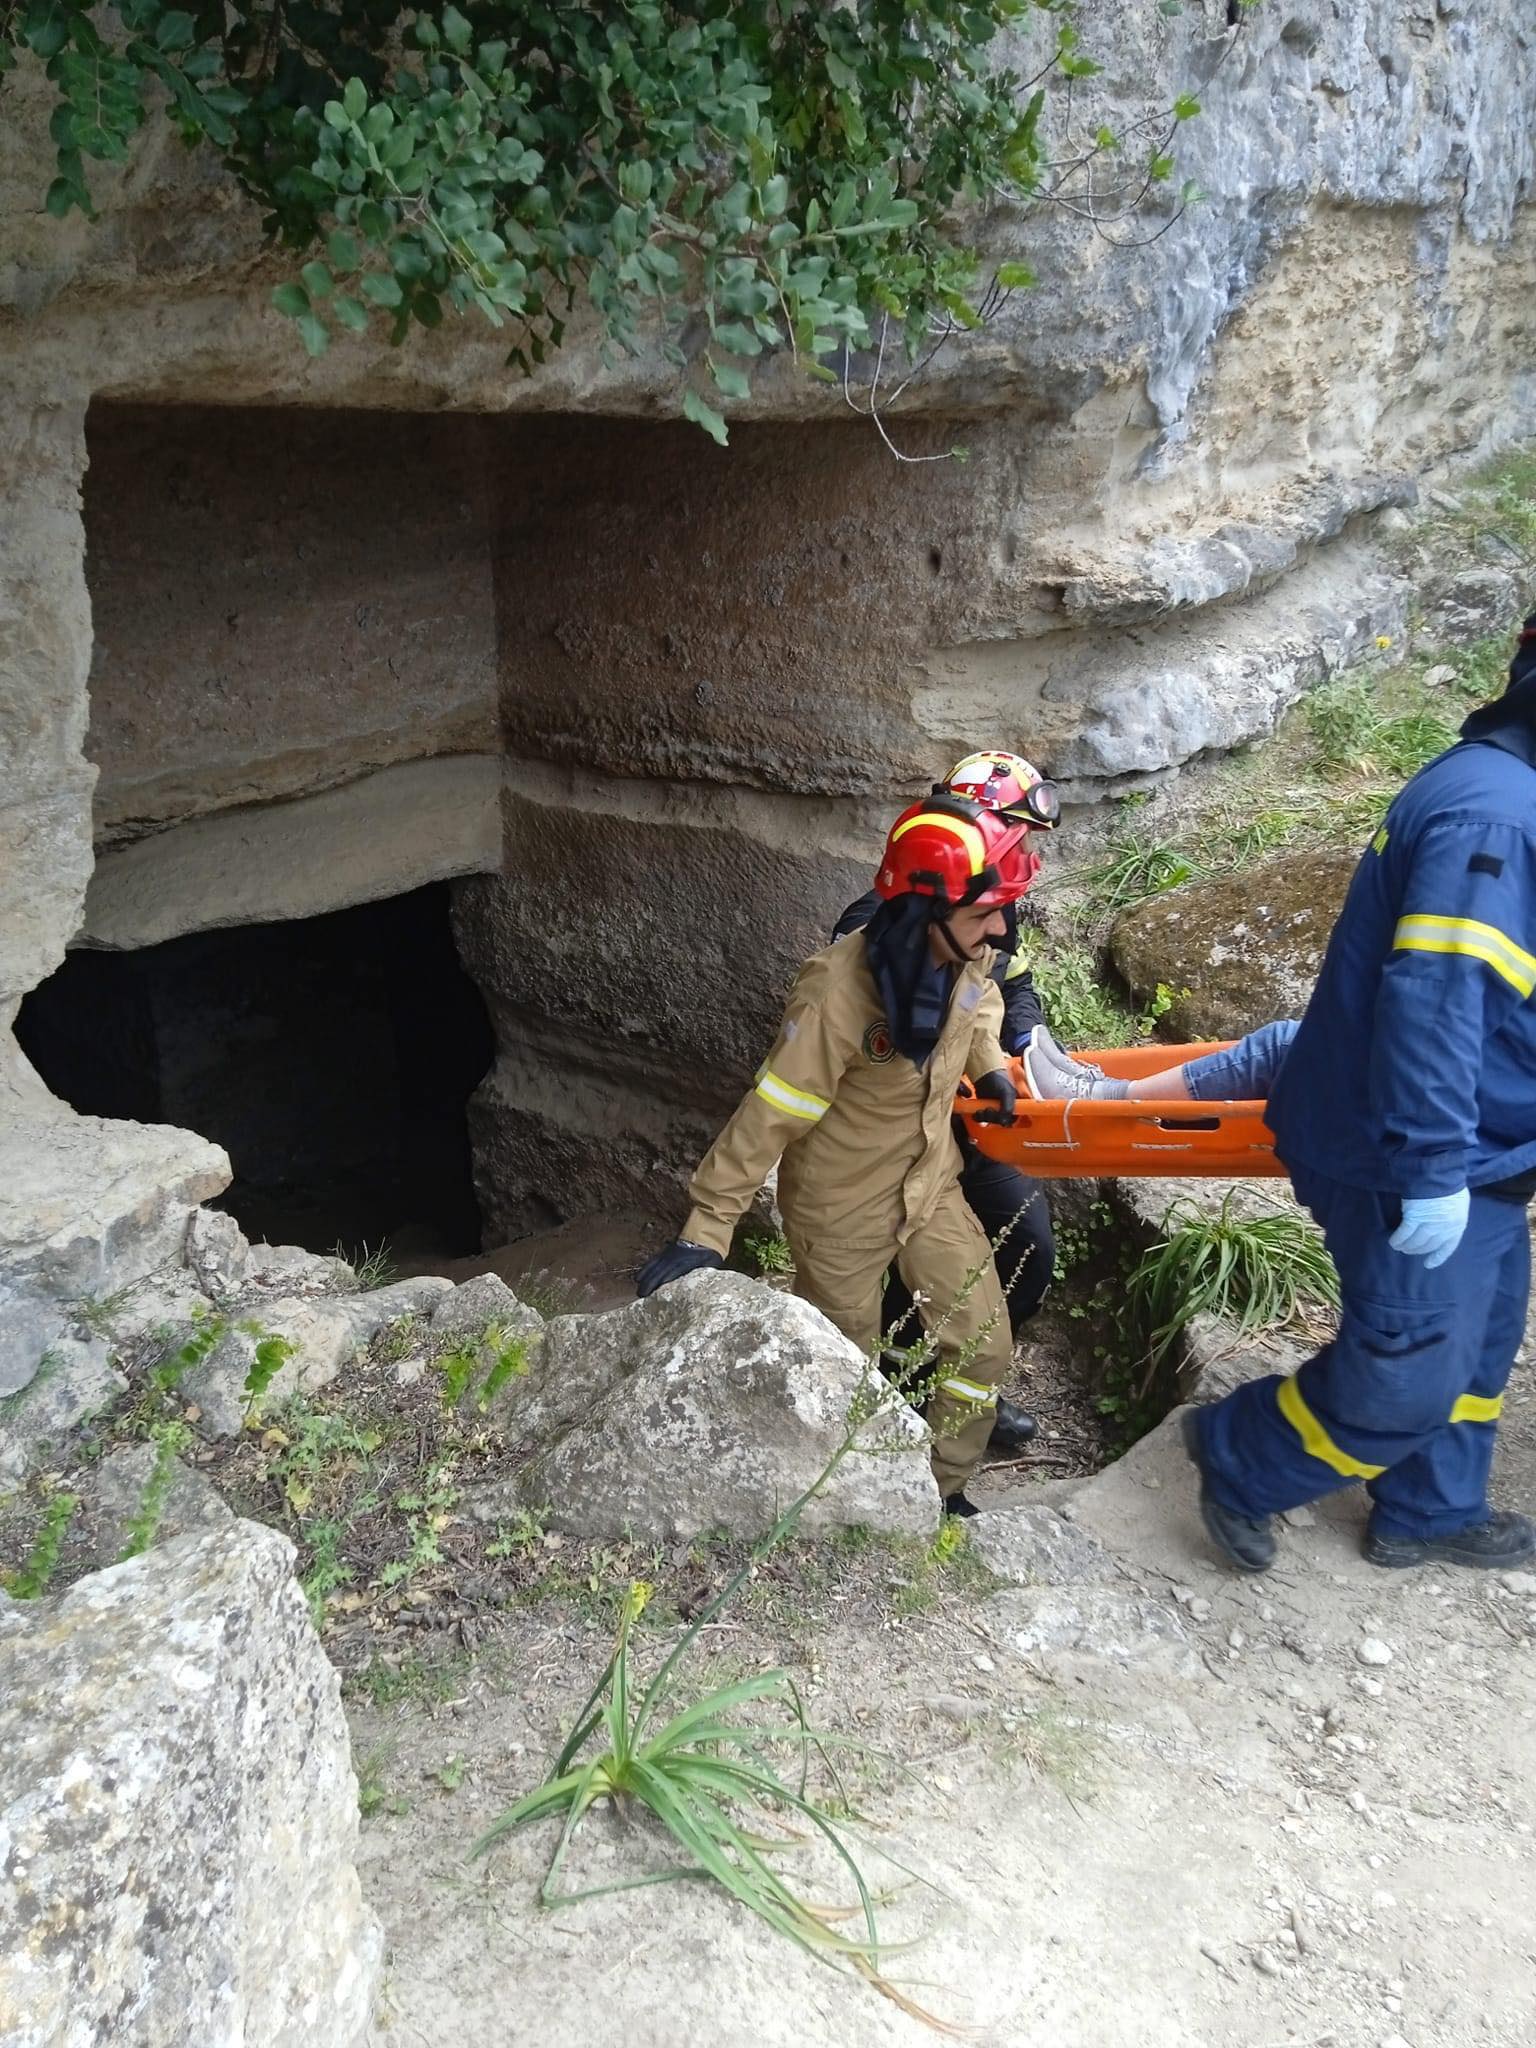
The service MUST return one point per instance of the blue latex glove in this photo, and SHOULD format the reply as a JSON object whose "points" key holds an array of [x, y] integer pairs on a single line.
{"points": [[1432, 1227]]}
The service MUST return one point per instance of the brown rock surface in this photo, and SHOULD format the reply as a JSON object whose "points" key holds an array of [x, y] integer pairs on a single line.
{"points": [[1238, 950]]}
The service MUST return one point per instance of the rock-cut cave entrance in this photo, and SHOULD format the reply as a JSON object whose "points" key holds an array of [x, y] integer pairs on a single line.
{"points": [[331, 1056]]}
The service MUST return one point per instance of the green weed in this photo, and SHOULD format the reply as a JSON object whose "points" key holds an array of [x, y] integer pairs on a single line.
{"points": [[314, 1449], [169, 1440], [518, 1538], [460, 1368], [1082, 1011], [327, 1571], [272, 1354], [31, 1578], [172, 1370], [373, 1792], [428, 1510], [767, 1252]]}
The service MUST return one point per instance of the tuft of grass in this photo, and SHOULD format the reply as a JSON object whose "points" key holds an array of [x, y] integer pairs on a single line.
{"points": [[397, 1340], [1507, 487], [47, 1369], [97, 1314], [1357, 732], [1232, 841], [1134, 870], [385, 1683], [1253, 1271], [373, 1264]]}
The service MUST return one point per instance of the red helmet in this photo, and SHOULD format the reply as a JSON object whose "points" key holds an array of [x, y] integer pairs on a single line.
{"points": [[1006, 783], [958, 852]]}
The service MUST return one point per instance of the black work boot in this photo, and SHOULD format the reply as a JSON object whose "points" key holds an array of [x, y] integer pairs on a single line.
{"points": [[958, 1505], [1013, 1429], [1501, 1542], [1250, 1545]]}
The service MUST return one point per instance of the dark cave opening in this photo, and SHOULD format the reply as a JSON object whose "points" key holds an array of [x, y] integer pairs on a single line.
{"points": [[331, 1056]]}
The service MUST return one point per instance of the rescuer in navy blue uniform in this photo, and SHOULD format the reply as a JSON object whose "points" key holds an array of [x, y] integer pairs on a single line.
{"points": [[1010, 1207], [1405, 1113]]}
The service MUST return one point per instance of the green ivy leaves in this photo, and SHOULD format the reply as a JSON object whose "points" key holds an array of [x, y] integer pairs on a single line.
{"points": [[789, 175]]}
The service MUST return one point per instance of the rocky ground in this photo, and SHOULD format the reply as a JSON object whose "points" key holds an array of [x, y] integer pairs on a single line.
{"points": [[1163, 1806]]}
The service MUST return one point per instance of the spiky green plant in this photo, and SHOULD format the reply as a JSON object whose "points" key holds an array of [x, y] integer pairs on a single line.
{"points": [[1253, 1271], [1134, 869], [713, 1779]]}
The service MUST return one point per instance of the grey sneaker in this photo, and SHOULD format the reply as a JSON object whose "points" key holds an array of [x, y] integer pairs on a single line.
{"points": [[1068, 1082], [1053, 1055]]}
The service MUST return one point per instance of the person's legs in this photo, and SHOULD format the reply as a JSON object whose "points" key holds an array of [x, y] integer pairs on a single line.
{"points": [[843, 1281], [1378, 1393], [949, 1263], [1011, 1209], [1245, 1072], [1443, 1488]]}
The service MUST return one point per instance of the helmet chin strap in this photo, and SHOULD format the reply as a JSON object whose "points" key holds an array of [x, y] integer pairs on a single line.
{"points": [[941, 926]]}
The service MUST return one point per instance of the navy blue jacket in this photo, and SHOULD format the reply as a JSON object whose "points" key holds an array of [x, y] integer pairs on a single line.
{"points": [[1414, 1071], [1021, 1005]]}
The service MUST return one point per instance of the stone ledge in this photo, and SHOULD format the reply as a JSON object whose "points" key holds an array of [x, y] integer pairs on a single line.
{"points": [[423, 821]]}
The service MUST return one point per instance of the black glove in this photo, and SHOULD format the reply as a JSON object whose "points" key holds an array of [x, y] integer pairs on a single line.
{"points": [[672, 1262], [999, 1086]]}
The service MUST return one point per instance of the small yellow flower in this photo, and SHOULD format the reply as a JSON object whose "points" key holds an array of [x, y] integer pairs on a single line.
{"points": [[640, 1591], [1383, 639]]}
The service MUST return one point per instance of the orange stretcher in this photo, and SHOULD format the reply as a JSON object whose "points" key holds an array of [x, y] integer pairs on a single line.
{"points": [[1097, 1140]]}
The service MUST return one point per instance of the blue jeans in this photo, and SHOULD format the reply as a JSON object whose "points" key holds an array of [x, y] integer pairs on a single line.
{"points": [[1246, 1072]]}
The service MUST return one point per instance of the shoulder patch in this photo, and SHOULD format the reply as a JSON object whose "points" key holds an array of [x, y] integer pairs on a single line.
{"points": [[1485, 864], [879, 1046]]}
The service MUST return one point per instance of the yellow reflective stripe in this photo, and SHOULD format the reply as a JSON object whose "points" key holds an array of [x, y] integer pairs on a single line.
{"points": [[1379, 843], [1418, 932], [969, 1390], [1018, 963], [793, 1101], [1477, 1408], [968, 834], [1315, 1439]]}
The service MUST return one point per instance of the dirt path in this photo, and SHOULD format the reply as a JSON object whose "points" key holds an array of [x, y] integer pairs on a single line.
{"points": [[1244, 1839]]}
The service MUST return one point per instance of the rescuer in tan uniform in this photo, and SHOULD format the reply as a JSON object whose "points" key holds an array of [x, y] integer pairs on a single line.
{"points": [[857, 1096]]}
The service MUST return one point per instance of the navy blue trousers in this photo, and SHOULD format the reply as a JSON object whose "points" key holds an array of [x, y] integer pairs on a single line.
{"points": [[1407, 1396]]}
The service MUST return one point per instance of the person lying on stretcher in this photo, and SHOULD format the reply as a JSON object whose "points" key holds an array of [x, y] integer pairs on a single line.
{"points": [[1245, 1072]]}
